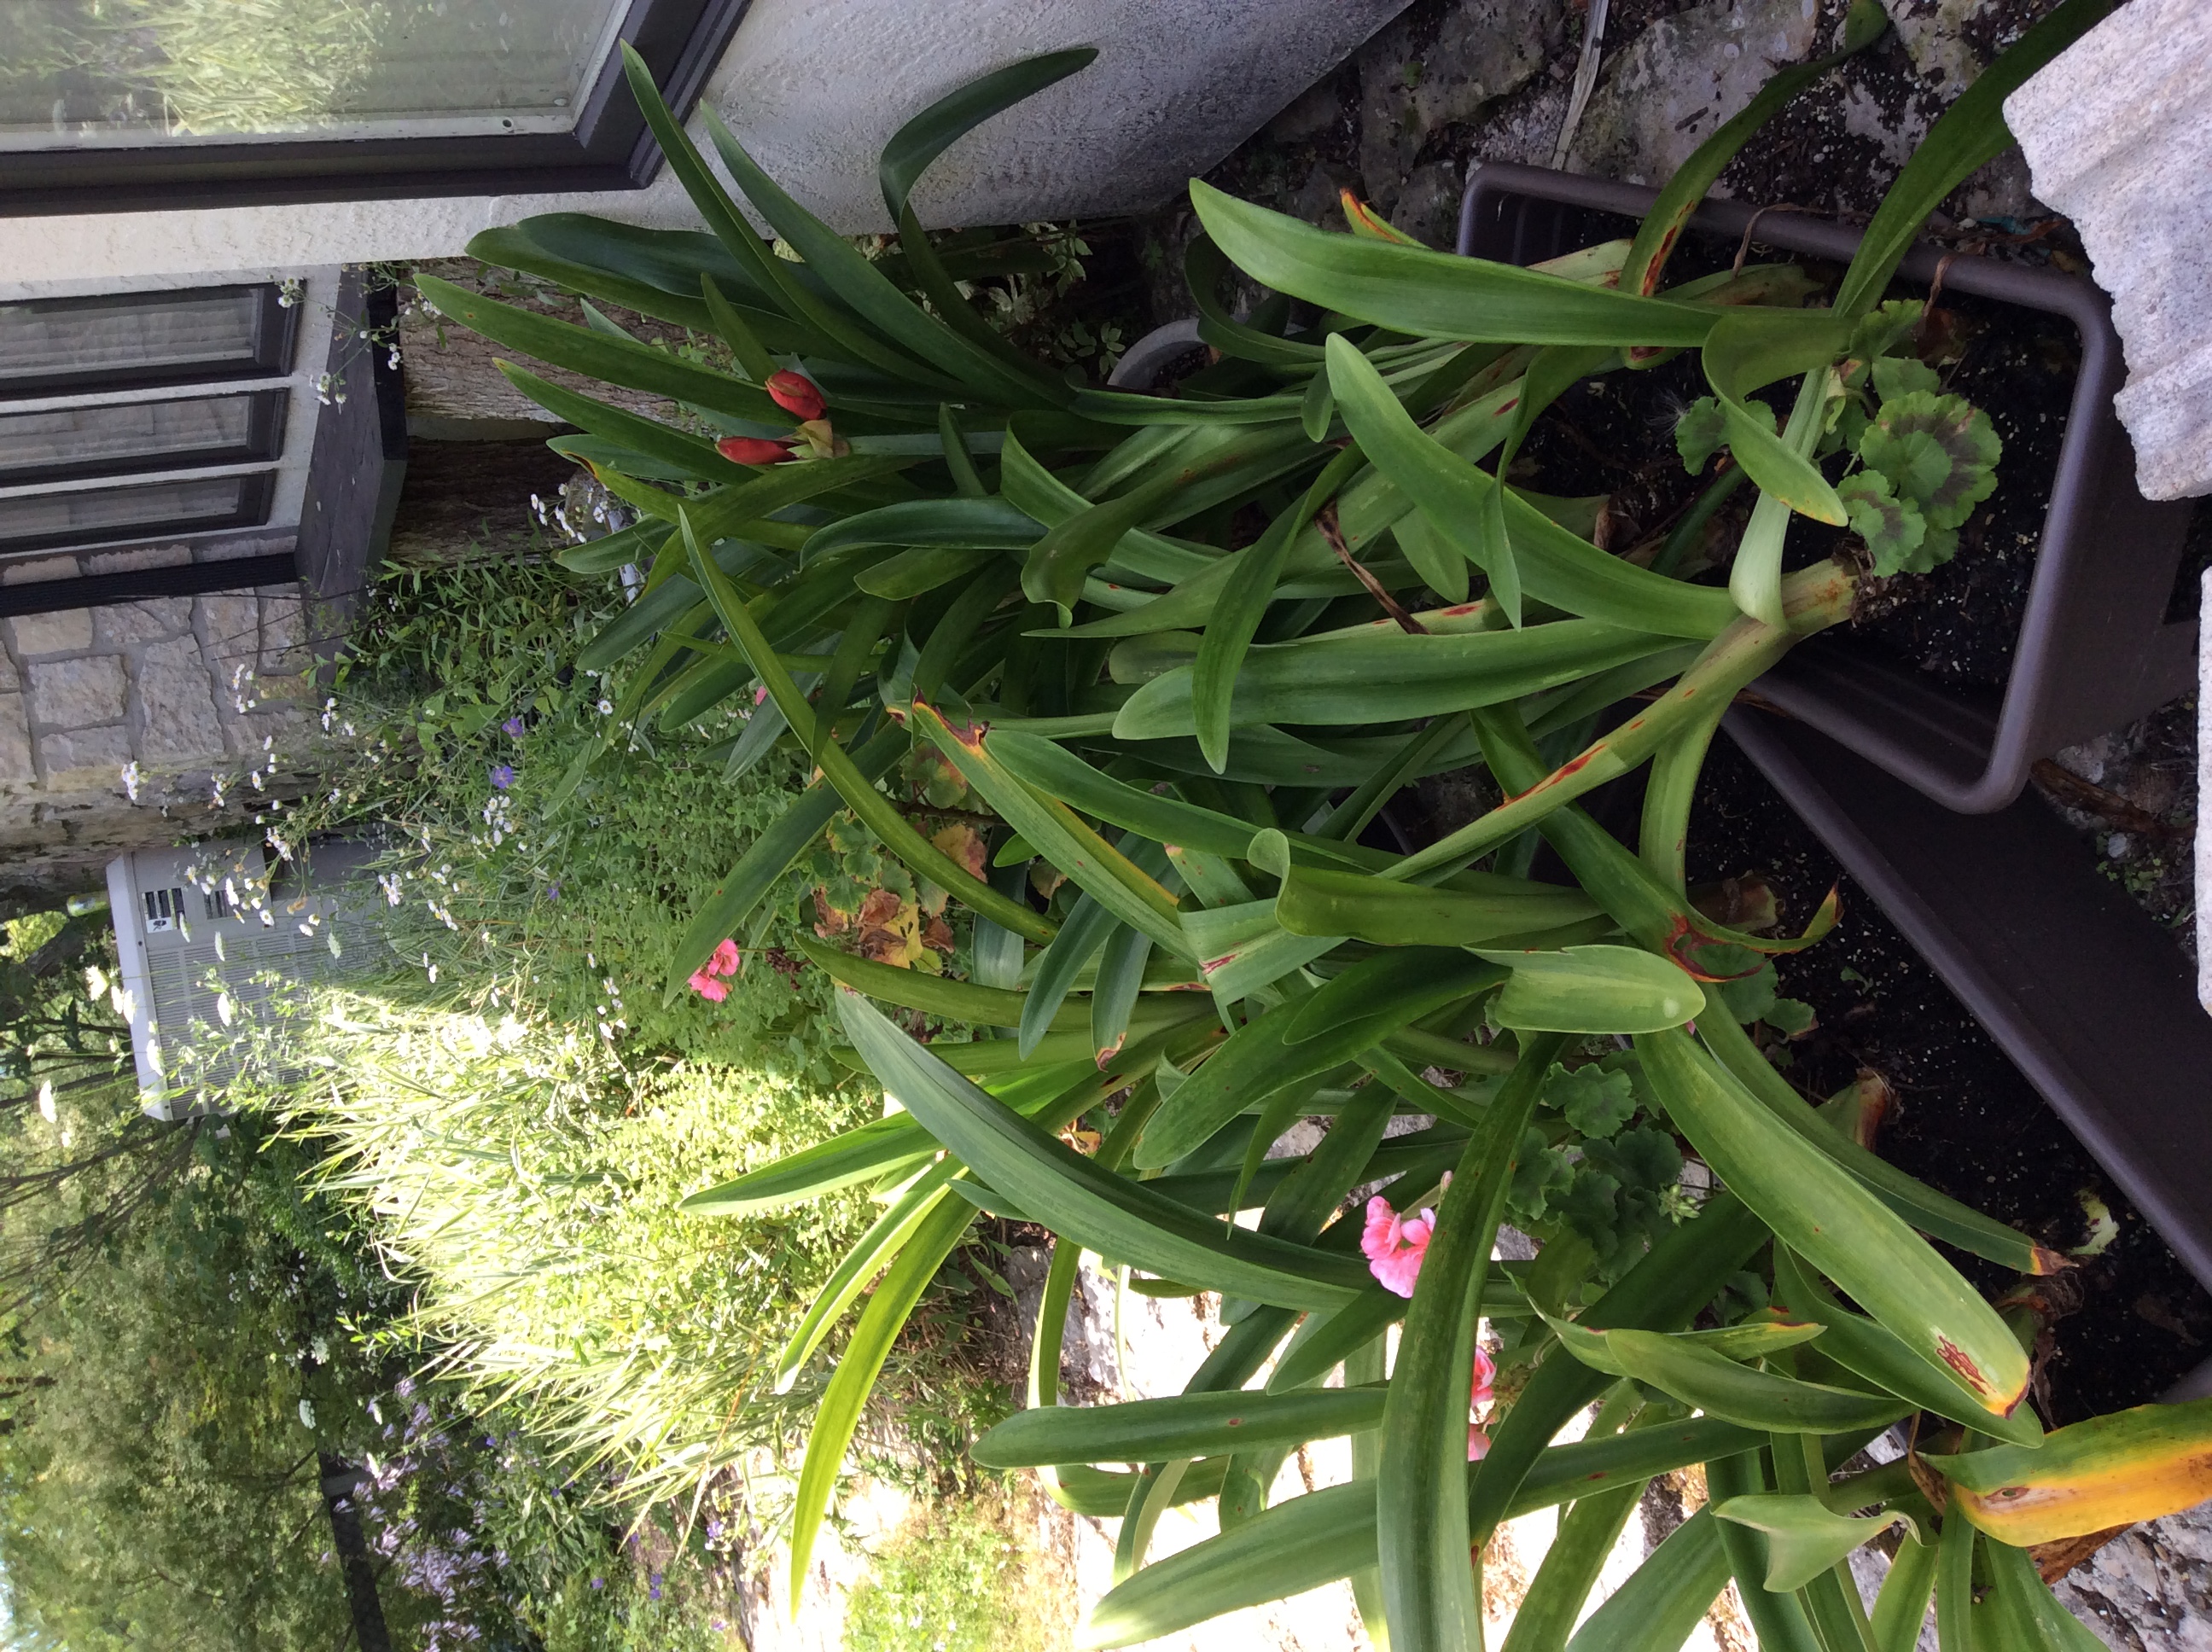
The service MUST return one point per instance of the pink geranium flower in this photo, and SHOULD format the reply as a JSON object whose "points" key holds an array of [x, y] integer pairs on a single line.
{"points": [[1478, 1444], [708, 982], [1486, 1373], [1394, 1244]]}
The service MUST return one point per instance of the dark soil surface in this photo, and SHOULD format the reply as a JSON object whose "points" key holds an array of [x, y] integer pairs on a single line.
{"points": [[1966, 1122]]}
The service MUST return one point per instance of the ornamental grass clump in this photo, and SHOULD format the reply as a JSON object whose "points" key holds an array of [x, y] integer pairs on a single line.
{"points": [[1176, 652]]}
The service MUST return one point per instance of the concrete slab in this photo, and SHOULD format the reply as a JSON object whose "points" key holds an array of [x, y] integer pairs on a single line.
{"points": [[2117, 131]]}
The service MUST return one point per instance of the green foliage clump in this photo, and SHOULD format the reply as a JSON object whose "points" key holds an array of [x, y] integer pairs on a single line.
{"points": [[534, 857], [528, 1180], [961, 1576]]}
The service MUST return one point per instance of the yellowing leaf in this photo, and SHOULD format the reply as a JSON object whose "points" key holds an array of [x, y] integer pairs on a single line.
{"points": [[2109, 1471]]}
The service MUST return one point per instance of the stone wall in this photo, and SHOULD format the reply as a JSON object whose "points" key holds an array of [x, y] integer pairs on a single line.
{"points": [[189, 689]]}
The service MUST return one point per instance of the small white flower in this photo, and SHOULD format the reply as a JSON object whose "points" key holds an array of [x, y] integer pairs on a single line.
{"points": [[606, 707], [132, 779], [308, 1414]]}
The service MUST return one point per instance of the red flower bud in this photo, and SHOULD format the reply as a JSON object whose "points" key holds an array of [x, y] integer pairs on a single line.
{"points": [[795, 394], [752, 450]]}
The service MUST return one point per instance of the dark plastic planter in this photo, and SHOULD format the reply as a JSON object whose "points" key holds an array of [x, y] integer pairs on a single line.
{"points": [[2095, 650], [2086, 994]]}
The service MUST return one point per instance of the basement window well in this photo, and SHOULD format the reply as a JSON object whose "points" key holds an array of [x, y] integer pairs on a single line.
{"points": [[122, 103]]}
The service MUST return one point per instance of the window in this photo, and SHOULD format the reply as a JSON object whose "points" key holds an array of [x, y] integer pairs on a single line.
{"points": [[47, 521], [55, 347], [126, 105], [130, 416], [118, 438]]}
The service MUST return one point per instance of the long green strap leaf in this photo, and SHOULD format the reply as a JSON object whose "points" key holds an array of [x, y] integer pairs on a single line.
{"points": [[859, 794], [1429, 1591], [839, 1413], [1312, 1540], [1554, 566], [1182, 1425], [1827, 1216], [1101, 1211], [1414, 290], [1778, 1620], [1665, 1598], [1682, 1273], [1081, 934], [1655, 237], [1860, 1345], [870, 294], [1052, 829], [1243, 604], [1964, 136], [1584, 1542], [875, 1248]]}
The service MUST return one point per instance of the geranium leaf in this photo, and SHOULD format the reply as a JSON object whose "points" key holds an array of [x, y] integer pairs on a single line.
{"points": [[1700, 433], [1893, 528], [1938, 451]]}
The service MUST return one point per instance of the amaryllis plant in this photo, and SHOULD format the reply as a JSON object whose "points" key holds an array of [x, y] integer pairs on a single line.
{"points": [[1177, 651]]}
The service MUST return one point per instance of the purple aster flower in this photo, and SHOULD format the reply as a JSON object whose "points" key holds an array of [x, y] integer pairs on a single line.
{"points": [[512, 727], [599, 1582], [502, 775]]}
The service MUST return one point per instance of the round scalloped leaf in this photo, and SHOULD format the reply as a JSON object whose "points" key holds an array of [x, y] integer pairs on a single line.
{"points": [[1893, 528], [1907, 437]]}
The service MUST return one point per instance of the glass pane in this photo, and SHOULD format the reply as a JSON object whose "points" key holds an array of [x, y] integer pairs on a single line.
{"points": [[37, 521], [128, 436], [132, 72], [152, 335]]}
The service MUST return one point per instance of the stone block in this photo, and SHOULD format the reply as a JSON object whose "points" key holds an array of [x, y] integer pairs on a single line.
{"points": [[284, 633], [1937, 37], [15, 741], [176, 703], [39, 571], [1681, 78], [130, 562], [10, 682], [68, 632], [85, 757], [76, 694], [1483, 49], [143, 621], [230, 632], [2118, 137]]}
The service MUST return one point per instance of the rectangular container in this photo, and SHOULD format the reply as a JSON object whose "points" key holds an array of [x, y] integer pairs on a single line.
{"points": [[2096, 649]]}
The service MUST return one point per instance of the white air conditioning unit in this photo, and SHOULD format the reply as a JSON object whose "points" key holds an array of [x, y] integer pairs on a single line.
{"points": [[205, 955]]}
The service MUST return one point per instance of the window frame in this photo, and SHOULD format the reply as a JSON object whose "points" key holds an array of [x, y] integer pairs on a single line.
{"points": [[610, 147], [264, 443], [276, 327], [257, 494]]}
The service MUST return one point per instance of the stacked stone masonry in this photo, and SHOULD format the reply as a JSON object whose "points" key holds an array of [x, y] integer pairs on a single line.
{"points": [[188, 688]]}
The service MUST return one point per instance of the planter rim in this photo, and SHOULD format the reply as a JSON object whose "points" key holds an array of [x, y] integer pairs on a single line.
{"points": [[2094, 651]]}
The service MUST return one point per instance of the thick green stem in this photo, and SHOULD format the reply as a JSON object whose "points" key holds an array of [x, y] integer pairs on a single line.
{"points": [[1813, 599]]}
